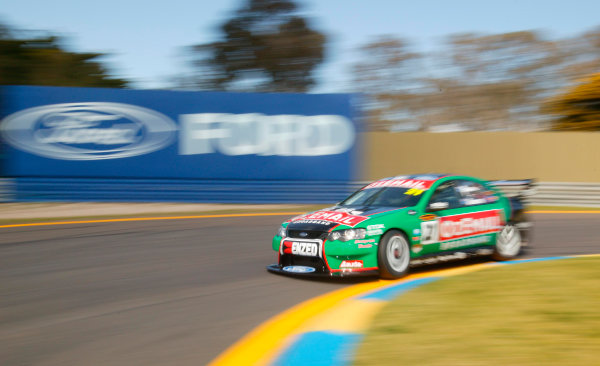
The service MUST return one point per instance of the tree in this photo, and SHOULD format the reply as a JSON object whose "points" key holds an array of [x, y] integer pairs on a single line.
{"points": [[27, 60], [387, 76], [265, 46], [477, 82], [579, 108]]}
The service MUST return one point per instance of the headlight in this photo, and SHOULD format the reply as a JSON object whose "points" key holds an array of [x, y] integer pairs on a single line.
{"points": [[346, 235], [282, 232]]}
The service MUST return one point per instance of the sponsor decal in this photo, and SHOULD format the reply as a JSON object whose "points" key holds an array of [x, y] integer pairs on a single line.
{"points": [[352, 264], [414, 192], [458, 226], [491, 199], [365, 246], [416, 238], [317, 222], [299, 269], [440, 258], [88, 131], [427, 217], [303, 248], [416, 231], [364, 241], [401, 183], [453, 227], [417, 248], [464, 242], [412, 212], [374, 232], [378, 226], [264, 135], [342, 218]]}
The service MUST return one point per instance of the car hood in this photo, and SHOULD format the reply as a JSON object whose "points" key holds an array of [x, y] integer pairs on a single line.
{"points": [[329, 218]]}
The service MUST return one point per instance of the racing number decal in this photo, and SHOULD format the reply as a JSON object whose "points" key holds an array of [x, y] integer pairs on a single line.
{"points": [[306, 249], [430, 232]]}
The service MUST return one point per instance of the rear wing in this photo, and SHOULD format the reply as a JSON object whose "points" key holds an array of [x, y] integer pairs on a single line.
{"points": [[522, 188]]}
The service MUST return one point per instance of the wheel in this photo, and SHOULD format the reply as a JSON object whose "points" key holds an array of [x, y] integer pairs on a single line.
{"points": [[393, 255], [508, 243]]}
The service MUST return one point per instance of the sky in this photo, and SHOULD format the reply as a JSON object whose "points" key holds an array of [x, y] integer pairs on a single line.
{"points": [[147, 39]]}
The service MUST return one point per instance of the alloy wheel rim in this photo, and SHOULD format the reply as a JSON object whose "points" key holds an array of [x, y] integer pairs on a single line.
{"points": [[398, 256], [509, 241]]}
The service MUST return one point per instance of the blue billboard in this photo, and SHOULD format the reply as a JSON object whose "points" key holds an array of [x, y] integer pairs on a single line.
{"points": [[152, 134]]}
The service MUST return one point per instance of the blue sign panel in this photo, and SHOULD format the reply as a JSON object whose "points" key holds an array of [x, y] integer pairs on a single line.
{"points": [[116, 133]]}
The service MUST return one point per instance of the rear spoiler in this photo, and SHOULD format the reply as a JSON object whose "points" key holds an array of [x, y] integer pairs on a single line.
{"points": [[515, 188]]}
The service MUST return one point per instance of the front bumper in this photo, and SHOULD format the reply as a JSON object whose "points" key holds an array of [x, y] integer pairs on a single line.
{"points": [[306, 271]]}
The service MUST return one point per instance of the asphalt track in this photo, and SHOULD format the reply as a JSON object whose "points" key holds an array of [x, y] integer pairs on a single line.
{"points": [[167, 292]]}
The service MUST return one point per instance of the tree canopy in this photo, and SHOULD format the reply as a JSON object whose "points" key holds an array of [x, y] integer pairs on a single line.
{"points": [[579, 108], [474, 81], [41, 60], [264, 46]]}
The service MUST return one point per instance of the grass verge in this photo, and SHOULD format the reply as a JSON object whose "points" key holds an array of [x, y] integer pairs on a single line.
{"points": [[539, 313]]}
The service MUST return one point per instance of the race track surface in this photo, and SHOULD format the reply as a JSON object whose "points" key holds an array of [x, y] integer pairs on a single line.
{"points": [[173, 292]]}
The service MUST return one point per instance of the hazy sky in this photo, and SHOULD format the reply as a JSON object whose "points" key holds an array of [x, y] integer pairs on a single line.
{"points": [[146, 38]]}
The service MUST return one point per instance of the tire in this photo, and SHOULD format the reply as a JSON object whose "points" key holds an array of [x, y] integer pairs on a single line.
{"points": [[508, 243], [393, 255]]}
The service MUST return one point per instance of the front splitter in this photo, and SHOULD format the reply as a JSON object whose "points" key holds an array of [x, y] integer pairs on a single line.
{"points": [[303, 271]]}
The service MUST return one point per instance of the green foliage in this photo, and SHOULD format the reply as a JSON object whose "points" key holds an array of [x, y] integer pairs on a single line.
{"points": [[474, 82], [579, 108], [42, 61], [265, 46]]}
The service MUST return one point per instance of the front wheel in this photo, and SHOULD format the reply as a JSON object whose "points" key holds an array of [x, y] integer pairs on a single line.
{"points": [[393, 255], [508, 243]]}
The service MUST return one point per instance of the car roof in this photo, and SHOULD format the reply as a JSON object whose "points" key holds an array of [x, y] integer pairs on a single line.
{"points": [[426, 177]]}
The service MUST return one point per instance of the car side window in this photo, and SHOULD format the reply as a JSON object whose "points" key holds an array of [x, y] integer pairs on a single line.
{"points": [[472, 193], [446, 193]]}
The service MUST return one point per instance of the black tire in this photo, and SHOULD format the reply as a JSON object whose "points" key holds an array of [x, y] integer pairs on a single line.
{"points": [[393, 255], [508, 243]]}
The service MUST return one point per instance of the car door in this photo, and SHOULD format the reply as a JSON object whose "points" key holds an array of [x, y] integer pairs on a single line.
{"points": [[460, 214]]}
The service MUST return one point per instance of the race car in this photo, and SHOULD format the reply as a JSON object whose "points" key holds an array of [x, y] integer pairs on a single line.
{"points": [[394, 223]]}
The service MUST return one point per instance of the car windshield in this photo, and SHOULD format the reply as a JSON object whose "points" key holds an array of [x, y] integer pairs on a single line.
{"points": [[382, 197]]}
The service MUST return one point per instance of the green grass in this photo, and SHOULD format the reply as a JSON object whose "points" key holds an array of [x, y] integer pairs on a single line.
{"points": [[539, 313]]}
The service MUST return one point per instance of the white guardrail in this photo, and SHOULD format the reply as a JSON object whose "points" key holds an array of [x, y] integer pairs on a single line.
{"points": [[541, 194], [560, 194]]}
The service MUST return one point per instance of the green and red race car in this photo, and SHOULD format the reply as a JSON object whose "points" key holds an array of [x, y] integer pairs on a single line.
{"points": [[393, 223]]}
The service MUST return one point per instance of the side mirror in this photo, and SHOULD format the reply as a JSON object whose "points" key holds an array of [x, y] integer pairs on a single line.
{"points": [[437, 206]]}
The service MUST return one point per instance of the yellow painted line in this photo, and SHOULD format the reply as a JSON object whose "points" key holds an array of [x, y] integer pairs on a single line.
{"points": [[256, 347], [263, 343], [220, 216], [563, 212], [150, 219], [342, 318]]}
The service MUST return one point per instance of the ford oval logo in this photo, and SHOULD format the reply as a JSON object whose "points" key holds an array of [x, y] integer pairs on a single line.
{"points": [[303, 234], [88, 131]]}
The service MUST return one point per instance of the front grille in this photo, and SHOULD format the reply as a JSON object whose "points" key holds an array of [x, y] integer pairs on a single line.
{"points": [[310, 234], [298, 260]]}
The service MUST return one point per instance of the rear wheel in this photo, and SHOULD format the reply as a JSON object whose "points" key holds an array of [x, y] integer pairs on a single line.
{"points": [[508, 243], [393, 255]]}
